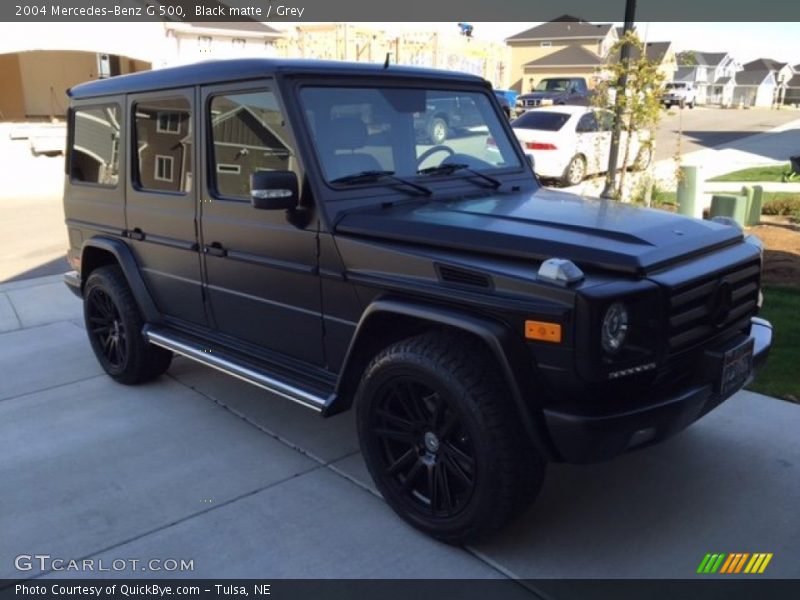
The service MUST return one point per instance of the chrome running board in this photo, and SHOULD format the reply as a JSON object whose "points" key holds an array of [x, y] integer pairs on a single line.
{"points": [[204, 355]]}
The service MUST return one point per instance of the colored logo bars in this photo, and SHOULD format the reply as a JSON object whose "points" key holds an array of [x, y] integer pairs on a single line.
{"points": [[741, 562]]}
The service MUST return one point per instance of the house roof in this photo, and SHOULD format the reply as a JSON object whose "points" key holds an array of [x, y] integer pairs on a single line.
{"points": [[684, 74], [764, 64], [570, 56], [565, 27], [794, 82], [710, 59], [752, 78], [655, 52], [244, 27]]}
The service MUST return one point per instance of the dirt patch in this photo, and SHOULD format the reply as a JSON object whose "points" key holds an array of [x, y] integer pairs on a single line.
{"points": [[781, 239]]}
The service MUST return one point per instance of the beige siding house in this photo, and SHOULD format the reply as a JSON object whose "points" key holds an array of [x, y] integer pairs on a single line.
{"points": [[566, 47]]}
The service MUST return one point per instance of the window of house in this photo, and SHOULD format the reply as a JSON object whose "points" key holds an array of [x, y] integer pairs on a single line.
{"points": [[94, 154], [169, 122], [546, 44], [162, 136], [248, 134], [239, 43], [163, 168], [204, 41]]}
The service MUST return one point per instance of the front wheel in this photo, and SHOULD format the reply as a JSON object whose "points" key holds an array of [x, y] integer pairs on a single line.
{"points": [[114, 325], [643, 158], [441, 440]]}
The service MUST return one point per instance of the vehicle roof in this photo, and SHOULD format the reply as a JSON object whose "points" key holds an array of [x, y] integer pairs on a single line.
{"points": [[220, 71], [572, 109]]}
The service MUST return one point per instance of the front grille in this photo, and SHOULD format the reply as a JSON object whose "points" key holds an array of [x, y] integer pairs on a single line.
{"points": [[694, 308]]}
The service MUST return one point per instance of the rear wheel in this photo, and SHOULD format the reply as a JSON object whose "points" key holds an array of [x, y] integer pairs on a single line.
{"points": [[441, 440], [114, 326], [575, 171]]}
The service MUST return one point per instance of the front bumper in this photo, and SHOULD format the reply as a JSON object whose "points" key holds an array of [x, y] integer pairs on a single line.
{"points": [[583, 439]]}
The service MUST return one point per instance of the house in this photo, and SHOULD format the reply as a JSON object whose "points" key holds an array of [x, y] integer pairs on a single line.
{"points": [[754, 88], [194, 41], [782, 71], [792, 95], [712, 74], [564, 47]]}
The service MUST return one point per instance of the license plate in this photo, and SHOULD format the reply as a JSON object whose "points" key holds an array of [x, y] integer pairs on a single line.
{"points": [[736, 366]]}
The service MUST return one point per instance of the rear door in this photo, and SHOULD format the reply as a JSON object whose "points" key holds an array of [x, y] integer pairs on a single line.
{"points": [[261, 269], [161, 201]]}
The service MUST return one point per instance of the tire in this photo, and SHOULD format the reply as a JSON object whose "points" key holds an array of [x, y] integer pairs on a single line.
{"points": [[114, 326], [643, 158], [681, 104], [438, 130], [441, 439], [575, 171], [691, 105]]}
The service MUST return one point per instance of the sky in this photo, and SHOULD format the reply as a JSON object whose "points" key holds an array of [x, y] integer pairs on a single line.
{"points": [[745, 41]]}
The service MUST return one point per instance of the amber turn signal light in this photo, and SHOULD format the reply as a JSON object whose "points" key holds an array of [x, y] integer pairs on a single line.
{"points": [[543, 331]]}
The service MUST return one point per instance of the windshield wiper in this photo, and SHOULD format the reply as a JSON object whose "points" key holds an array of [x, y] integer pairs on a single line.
{"points": [[448, 168], [367, 176]]}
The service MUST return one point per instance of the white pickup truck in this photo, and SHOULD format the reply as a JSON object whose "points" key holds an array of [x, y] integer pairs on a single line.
{"points": [[680, 93]]}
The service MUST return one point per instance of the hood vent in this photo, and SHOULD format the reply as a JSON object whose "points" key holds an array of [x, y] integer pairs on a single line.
{"points": [[463, 277]]}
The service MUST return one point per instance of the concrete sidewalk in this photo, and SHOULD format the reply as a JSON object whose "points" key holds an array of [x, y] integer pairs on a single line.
{"points": [[199, 466]]}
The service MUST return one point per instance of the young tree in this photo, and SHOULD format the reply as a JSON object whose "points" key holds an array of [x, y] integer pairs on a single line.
{"points": [[641, 101]]}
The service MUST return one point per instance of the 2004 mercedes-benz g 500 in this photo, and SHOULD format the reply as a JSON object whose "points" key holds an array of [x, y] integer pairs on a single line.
{"points": [[283, 222]]}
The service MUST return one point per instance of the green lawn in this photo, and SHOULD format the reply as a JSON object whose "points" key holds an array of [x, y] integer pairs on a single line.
{"points": [[772, 173], [780, 377]]}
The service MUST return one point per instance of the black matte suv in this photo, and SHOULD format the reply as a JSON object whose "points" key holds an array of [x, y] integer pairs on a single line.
{"points": [[281, 221]]}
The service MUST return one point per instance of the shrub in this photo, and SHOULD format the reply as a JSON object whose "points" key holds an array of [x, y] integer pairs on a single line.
{"points": [[785, 207]]}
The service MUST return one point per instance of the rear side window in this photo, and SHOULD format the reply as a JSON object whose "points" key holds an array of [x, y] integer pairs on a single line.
{"points": [[543, 120], [162, 142], [94, 156], [247, 135]]}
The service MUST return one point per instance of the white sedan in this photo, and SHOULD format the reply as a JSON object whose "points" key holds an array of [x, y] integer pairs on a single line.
{"points": [[571, 142]]}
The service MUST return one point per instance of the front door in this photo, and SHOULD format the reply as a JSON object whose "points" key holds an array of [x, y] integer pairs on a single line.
{"points": [[161, 201], [261, 270]]}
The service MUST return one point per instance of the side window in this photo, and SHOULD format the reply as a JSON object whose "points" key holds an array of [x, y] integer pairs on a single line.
{"points": [[247, 134], [587, 124], [605, 120], [162, 140], [94, 156]]}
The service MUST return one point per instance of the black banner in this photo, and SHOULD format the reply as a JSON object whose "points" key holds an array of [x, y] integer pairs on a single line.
{"points": [[382, 589], [405, 11]]}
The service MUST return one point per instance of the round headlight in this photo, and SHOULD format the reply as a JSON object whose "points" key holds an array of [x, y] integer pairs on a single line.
{"points": [[615, 328]]}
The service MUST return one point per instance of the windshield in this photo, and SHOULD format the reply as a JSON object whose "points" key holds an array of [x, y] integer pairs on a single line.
{"points": [[552, 85], [542, 120], [675, 86], [404, 130]]}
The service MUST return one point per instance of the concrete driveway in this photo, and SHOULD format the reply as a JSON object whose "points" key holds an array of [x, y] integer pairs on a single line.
{"points": [[200, 467]]}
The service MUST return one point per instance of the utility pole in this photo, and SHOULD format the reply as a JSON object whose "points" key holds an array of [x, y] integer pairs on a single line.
{"points": [[611, 177]]}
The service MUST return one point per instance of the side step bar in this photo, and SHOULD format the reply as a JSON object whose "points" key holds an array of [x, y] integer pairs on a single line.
{"points": [[226, 364]]}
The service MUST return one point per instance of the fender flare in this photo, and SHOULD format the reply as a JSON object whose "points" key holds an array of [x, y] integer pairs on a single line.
{"points": [[130, 269], [513, 358]]}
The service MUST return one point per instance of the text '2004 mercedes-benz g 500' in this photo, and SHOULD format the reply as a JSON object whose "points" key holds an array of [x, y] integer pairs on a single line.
{"points": [[283, 222]]}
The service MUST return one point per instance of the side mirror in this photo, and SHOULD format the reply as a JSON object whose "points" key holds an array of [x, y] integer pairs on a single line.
{"points": [[274, 190]]}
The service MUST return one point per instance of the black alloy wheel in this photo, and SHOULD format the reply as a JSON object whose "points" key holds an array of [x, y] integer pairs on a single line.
{"points": [[107, 327], [114, 325], [441, 439], [425, 450]]}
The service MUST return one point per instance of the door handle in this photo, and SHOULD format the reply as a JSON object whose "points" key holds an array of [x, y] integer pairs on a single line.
{"points": [[136, 234], [215, 249]]}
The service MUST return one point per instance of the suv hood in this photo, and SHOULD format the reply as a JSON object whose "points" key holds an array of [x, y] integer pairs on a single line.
{"points": [[600, 234]]}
